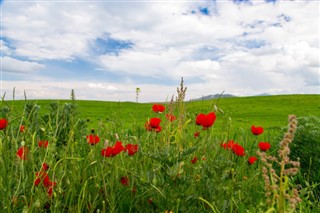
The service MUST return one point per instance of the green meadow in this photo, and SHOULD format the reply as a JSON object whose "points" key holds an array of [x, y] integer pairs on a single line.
{"points": [[57, 164], [268, 111]]}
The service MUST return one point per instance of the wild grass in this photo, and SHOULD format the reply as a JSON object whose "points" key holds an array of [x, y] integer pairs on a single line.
{"points": [[171, 171]]}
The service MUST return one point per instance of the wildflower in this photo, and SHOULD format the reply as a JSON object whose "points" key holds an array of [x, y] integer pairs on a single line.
{"points": [[200, 117], [22, 152], [264, 146], [256, 130], [206, 120], [117, 148], [45, 167], [43, 144], [93, 139], [107, 152], [228, 145], [171, 117], [158, 129], [238, 150], [3, 123], [124, 181], [42, 177], [22, 128], [153, 124], [194, 160], [252, 159], [132, 149], [158, 108], [196, 135]]}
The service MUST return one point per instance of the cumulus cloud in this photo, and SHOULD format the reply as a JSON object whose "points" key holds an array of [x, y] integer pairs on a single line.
{"points": [[240, 48], [13, 65]]}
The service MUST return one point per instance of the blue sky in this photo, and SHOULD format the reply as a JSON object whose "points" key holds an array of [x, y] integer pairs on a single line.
{"points": [[104, 50]]}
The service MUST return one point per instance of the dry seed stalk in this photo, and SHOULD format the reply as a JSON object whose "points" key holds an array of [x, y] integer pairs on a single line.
{"points": [[277, 185]]}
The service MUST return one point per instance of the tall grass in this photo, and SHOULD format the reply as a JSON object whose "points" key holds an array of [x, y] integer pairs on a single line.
{"points": [[172, 170]]}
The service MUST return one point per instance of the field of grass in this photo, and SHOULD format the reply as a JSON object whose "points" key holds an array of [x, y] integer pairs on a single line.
{"points": [[268, 111], [167, 170]]}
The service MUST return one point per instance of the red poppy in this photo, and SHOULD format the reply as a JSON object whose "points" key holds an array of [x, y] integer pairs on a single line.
{"points": [[228, 145], [158, 129], [107, 152], [42, 177], [158, 108], [206, 120], [194, 160], [45, 167], [3, 123], [252, 159], [124, 181], [117, 148], [196, 135], [132, 149], [22, 152], [264, 146], [50, 188], [171, 117], [153, 124], [50, 191], [43, 144], [256, 130], [200, 117], [93, 139], [22, 128], [238, 150]]}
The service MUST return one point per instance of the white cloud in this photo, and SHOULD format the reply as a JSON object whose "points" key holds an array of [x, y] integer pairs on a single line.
{"points": [[17, 66], [101, 86], [168, 43]]}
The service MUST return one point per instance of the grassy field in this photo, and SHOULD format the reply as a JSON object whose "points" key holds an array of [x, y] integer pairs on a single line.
{"points": [[223, 169], [268, 111]]}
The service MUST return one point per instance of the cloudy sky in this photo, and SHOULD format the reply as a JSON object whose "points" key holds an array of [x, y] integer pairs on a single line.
{"points": [[104, 49]]}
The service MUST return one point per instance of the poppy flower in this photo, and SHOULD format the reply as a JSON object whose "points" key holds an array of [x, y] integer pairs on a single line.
{"points": [[196, 135], [206, 120], [132, 149], [194, 160], [117, 148], [42, 177], [153, 124], [107, 152], [252, 159], [228, 145], [238, 150], [256, 130], [171, 117], [200, 117], [50, 191], [3, 123], [124, 181], [22, 152], [158, 129], [93, 139], [264, 146], [45, 167], [22, 128], [43, 144], [158, 108]]}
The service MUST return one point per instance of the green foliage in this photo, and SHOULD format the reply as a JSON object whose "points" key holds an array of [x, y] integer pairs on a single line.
{"points": [[306, 147]]}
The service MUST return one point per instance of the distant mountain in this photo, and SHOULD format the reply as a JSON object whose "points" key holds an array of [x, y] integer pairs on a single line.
{"points": [[263, 94], [209, 97]]}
